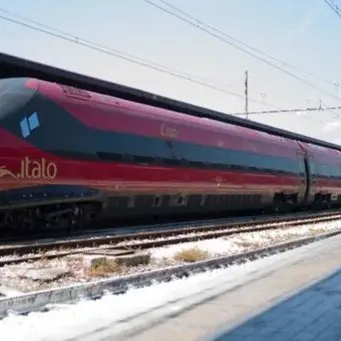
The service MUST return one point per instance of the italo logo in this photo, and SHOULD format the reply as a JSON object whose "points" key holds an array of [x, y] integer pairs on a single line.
{"points": [[32, 169]]}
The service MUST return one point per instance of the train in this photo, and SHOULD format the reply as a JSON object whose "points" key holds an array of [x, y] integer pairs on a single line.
{"points": [[69, 156]]}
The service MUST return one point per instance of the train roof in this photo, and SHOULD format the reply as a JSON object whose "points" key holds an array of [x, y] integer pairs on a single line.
{"points": [[12, 66]]}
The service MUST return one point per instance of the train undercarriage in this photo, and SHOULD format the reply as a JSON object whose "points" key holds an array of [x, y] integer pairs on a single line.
{"points": [[48, 217], [73, 216]]}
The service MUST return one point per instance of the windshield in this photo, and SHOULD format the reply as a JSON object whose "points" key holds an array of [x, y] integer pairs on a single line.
{"points": [[13, 94]]}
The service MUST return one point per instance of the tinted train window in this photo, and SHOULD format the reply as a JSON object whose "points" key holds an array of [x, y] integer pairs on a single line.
{"points": [[219, 156], [149, 146], [190, 152], [9, 91], [133, 145], [144, 146], [177, 152], [301, 166], [3, 85], [11, 85]]}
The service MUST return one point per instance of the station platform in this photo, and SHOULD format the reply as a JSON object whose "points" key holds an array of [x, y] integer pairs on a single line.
{"points": [[296, 298]]}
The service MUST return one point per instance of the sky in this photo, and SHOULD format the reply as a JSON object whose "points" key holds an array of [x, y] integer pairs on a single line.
{"points": [[302, 33]]}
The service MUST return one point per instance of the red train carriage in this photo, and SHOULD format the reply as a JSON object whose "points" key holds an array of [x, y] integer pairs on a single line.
{"points": [[325, 175], [199, 163], [68, 154], [65, 150]]}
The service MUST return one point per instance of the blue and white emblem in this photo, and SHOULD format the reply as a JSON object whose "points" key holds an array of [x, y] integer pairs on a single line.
{"points": [[28, 124]]}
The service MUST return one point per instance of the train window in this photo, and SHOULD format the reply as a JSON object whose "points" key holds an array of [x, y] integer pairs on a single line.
{"points": [[192, 152], [311, 167], [252, 160], [315, 167], [170, 161], [267, 163], [244, 159], [13, 95], [276, 163], [137, 146], [258, 161], [301, 166], [217, 156], [179, 149], [4, 83], [328, 170], [261, 162], [226, 157], [155, 148], [291, 165], [143, 159], [335, 171], [331, 171], [320, 169], [236, 158], [143, 149], [272, 163], [284, 165], [110, 156]]}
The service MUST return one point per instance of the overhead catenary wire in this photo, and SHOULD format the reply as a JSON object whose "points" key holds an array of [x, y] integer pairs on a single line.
{"points": [[76, 38], [247, 45], [225, 40], [115, 53], [108, 50], [334, 7]]}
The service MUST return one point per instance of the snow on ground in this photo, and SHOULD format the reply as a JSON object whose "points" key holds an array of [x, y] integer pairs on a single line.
{"points": [[65, 322], [77, 269], [246, 241]]}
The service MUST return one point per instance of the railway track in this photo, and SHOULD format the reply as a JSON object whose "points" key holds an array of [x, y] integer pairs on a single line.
{"points": [[123, 244], [100, 233], [44, 300]]}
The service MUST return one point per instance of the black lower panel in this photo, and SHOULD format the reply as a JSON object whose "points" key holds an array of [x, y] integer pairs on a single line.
{"points": [[42, 195], [130, 205], [144, 205]]}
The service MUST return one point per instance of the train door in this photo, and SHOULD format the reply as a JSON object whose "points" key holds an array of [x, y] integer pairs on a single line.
{"points": [[313, 178], [307, 176]]}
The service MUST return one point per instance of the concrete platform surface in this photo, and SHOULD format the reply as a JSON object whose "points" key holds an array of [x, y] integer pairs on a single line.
{"points": [[296, 298]]}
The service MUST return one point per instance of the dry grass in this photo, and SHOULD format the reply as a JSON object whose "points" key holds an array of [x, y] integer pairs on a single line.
{"points": [[105, 267], [191, 255]]}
